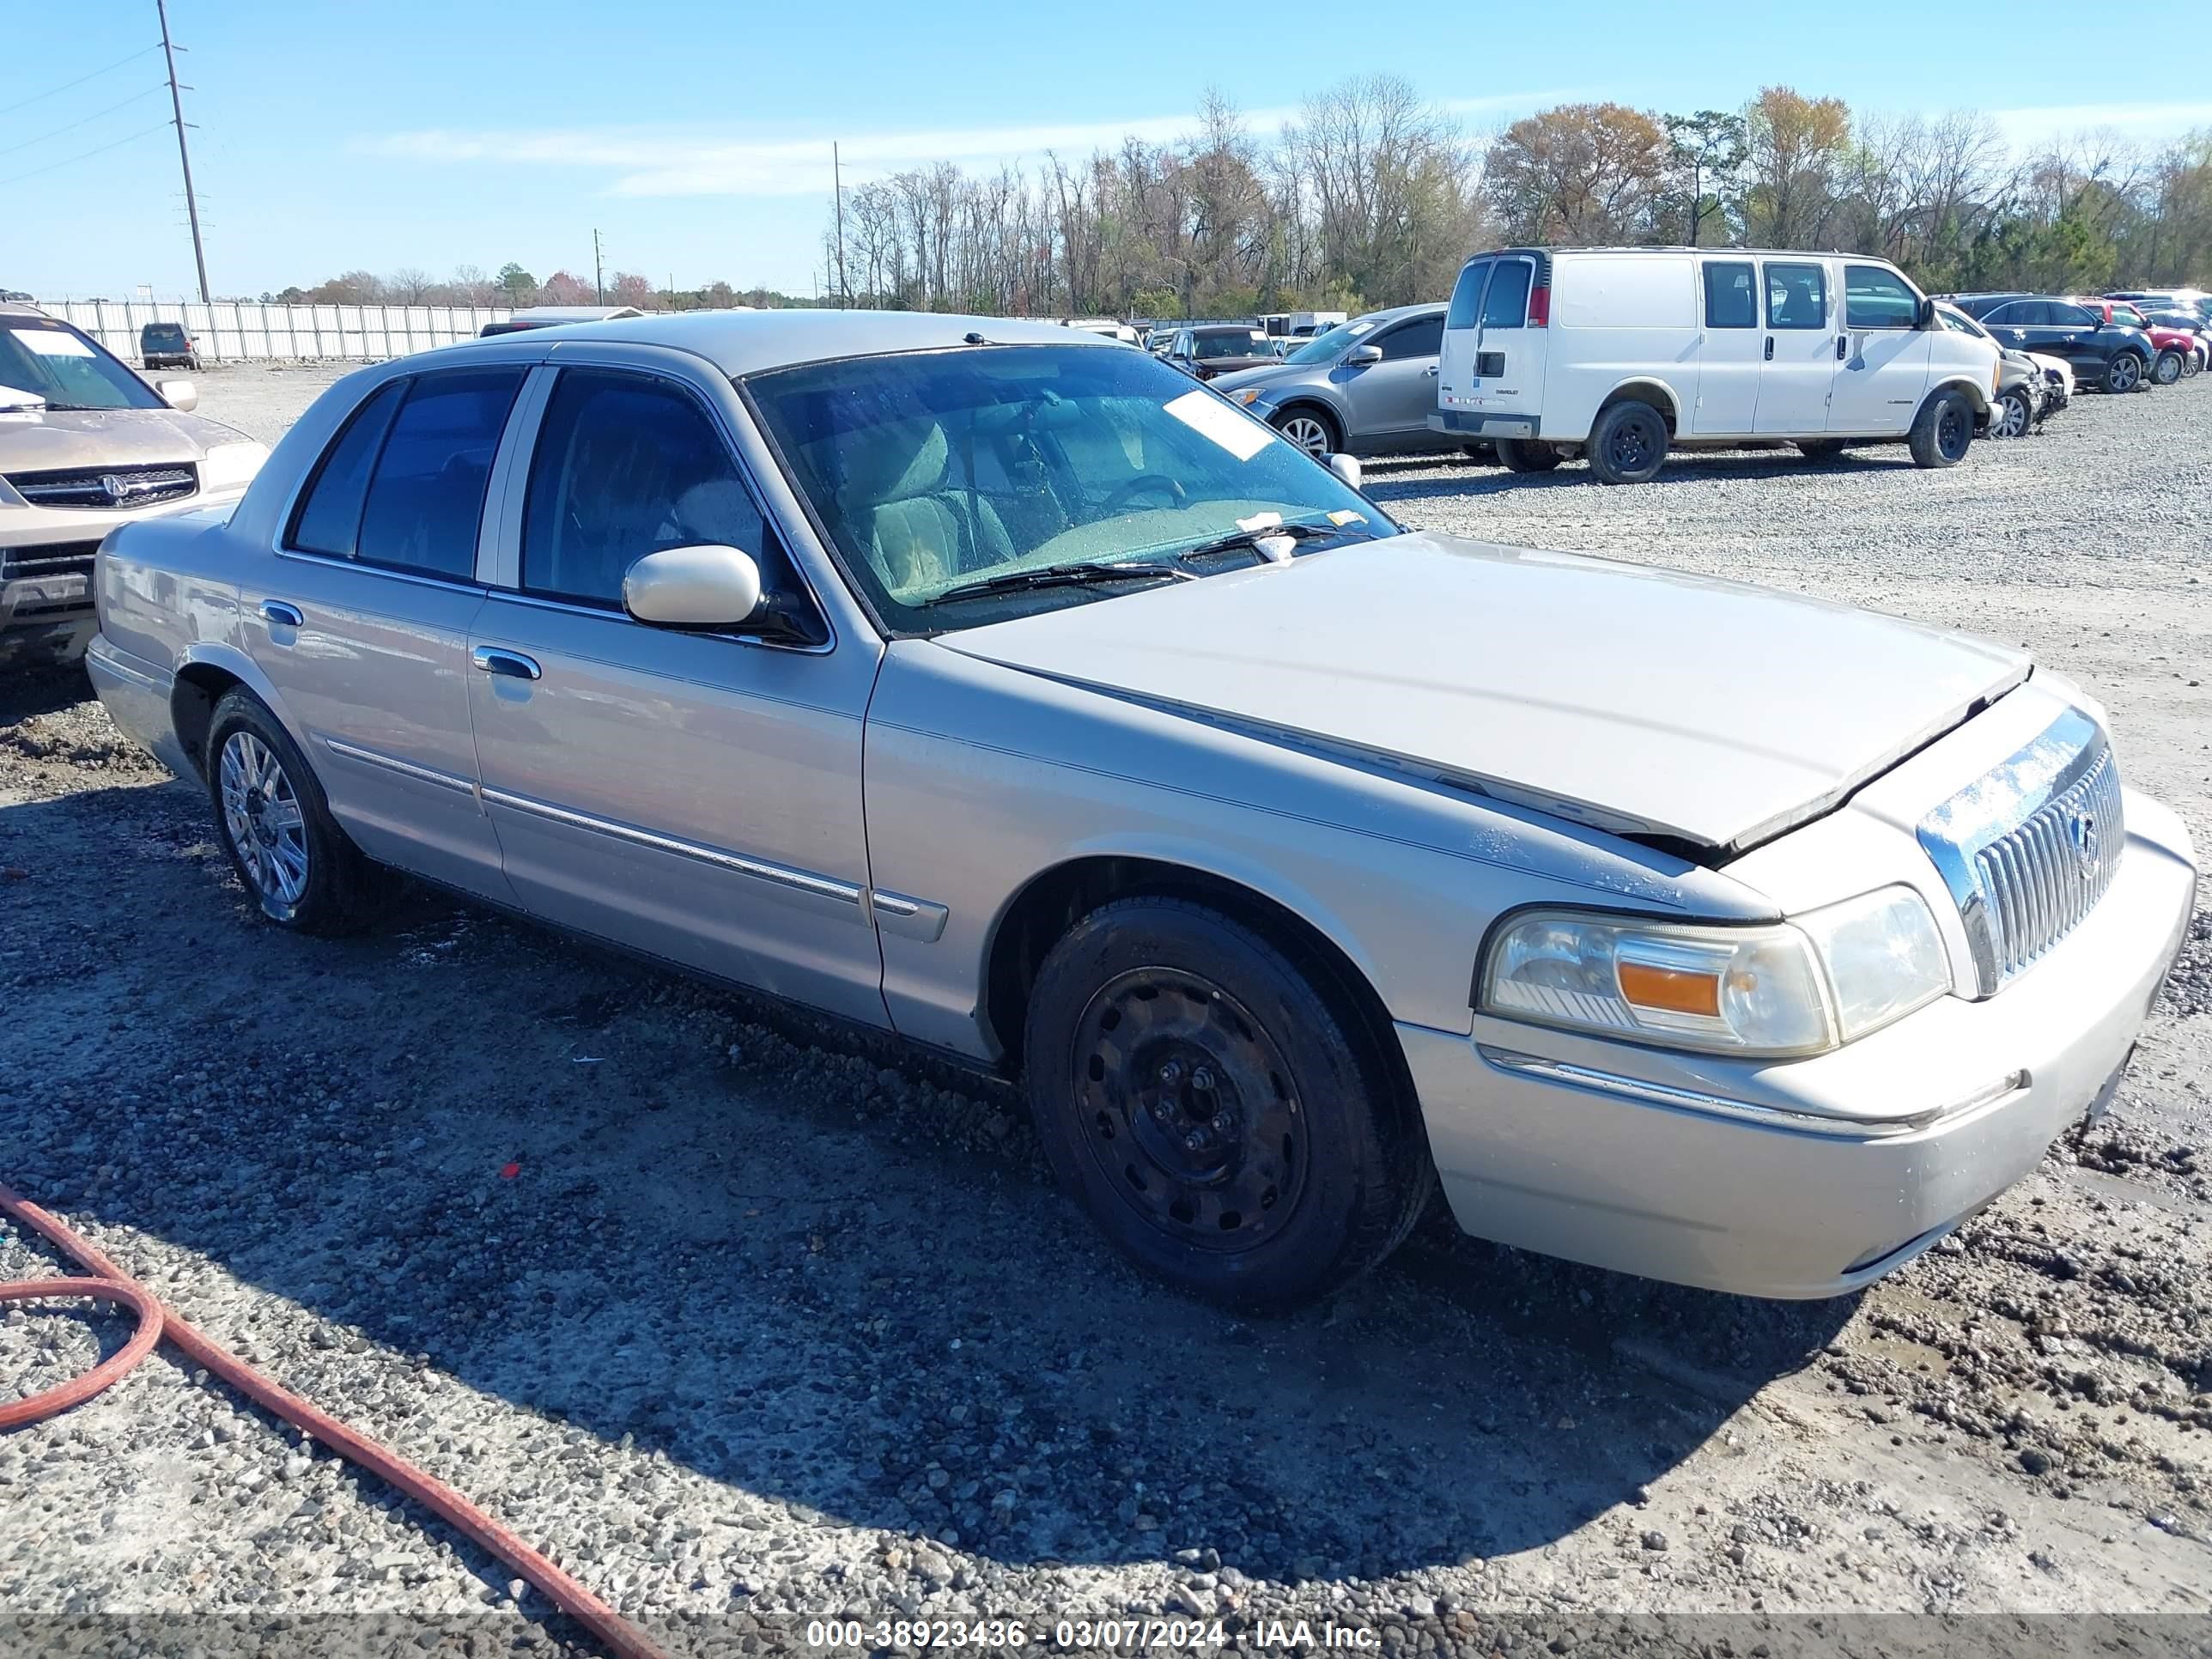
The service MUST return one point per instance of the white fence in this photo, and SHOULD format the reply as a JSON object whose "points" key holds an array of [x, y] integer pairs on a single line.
{"points": [[230, 331]]}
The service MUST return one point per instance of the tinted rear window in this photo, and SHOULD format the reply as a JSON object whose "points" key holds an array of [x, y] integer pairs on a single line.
{"points": [[1467, 296], [1731, 295], [1506, 305], [426, 498], [329, 516]]}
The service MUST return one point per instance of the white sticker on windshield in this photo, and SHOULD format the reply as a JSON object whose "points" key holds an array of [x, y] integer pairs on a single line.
{"points": [[51, 343], [1203, 413]]}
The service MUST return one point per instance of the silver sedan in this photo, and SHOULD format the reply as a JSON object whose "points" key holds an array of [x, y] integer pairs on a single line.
{"points": [[990, 685]]}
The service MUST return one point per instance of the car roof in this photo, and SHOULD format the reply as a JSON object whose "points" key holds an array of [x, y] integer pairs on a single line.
{"points": [[12, 309], [741, 343], [555, 315]]}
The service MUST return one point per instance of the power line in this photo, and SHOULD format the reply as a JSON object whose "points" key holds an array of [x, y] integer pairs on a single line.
{"points": [[86, 120], [37, 97], [18, 179]]}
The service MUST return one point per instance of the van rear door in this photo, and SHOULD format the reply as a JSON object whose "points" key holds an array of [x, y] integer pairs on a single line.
{"points": [[1495, 340], [1455, 362]]}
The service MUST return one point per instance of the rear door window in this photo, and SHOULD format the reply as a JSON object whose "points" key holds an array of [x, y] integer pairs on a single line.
{"points": [[1731, 294], [1466, 294], [2066, 316], [1797, 295], [1876, 298], [1422, 337], [1506, 305], [426, 499], [328, 521]]}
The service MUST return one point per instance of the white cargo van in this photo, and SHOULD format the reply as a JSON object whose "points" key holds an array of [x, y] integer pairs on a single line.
{"points": [[1621, 354]]}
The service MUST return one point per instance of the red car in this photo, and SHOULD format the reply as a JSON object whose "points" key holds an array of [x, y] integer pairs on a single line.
{"points": [[2176, 348]]}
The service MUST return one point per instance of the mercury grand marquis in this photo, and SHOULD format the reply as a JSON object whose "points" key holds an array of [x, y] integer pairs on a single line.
{"points": [[997, 687]]}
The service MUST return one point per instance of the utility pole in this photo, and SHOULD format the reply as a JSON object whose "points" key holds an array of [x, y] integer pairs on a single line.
{"points": [[599, 270], [184, 156], [837, 186]]}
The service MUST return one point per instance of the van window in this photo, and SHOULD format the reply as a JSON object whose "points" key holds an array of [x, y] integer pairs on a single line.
{"points": [[1731, 295], [1507, 304], [1796, 296], [1467, 295], [1875, 298]]}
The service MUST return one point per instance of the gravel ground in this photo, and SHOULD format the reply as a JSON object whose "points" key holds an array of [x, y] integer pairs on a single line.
{"points": [[743, 1323]]}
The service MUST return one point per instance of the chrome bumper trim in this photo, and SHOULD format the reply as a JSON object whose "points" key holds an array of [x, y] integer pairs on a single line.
{"points": [[1698, 1101]]}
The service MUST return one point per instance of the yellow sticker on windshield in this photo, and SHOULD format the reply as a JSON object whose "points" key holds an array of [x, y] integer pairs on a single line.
{"points": [[1203, 413], [1345, 516]]}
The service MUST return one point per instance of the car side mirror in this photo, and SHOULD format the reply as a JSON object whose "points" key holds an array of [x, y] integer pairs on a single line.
{"points": [[709, 587], [1346, 468], [180, 395], [1925, 317], [1360, 356]]}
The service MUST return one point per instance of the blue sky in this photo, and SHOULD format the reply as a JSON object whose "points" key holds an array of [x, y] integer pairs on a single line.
{"points": [[695, 137]]}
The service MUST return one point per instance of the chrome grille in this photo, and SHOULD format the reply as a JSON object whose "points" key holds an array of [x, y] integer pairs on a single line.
{"points": [[2029, 850], [108, 488], [57, 576]]}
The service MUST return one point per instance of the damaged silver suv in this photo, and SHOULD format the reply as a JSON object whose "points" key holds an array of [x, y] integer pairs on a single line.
{"points": [[85, 444]]}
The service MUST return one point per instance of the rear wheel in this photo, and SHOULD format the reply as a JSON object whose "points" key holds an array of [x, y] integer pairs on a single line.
{"points": [[2167, 369], [1218, 1109], [2124, 372], [275, 824], [1628, 445], [1526, 455], [2192, 364], [1311, 431], [1943, 431]]}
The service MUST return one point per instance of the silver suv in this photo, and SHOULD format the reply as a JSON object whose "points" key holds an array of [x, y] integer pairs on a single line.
{"points": [[85, 444], [1366, 387]]}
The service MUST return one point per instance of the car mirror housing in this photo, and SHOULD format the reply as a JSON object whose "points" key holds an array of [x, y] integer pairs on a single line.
{"points": [[1346, 468], [709, 586], [1360, 356], [180, 395], [1925, 317]]}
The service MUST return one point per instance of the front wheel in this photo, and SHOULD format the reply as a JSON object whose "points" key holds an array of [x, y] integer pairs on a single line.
{"points": [[2125, 373], [1220, 1112], [1628, 445], [1311, 431], [2167, 369], [1942, 431], [2013, 415], [1526, 455], [273, 821]]}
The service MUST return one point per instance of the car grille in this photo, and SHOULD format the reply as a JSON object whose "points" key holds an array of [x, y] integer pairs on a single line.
{"points": [[60, 573], [108, 486], [2029, 850]]}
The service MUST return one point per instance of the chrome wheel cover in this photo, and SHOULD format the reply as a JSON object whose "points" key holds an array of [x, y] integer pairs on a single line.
{"points": [[1309, 435], [262, 816]]}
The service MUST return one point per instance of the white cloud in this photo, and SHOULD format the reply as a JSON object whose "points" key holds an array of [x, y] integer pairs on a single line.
{"points": [[2145, 123], [679, 162]]}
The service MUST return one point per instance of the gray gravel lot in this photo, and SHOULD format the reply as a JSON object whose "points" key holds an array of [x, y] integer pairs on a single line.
{"points": [[767, 1325]]}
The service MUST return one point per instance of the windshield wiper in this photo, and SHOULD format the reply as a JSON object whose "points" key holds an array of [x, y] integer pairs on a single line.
{"points": [[1066, 575], [1239, 539]]}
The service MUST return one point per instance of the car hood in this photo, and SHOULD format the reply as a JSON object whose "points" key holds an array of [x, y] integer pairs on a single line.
{"points": [[1636, 699], [1266, 374], [44, 441]]}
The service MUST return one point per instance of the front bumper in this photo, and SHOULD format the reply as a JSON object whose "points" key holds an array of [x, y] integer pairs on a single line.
{"points": [[1460, 423], [1809, 1177], [47, 611]]}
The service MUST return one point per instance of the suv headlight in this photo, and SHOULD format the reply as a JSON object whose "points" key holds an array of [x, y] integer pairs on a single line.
{"points": [[1247, 395], [1796, 988], [226, 466]]}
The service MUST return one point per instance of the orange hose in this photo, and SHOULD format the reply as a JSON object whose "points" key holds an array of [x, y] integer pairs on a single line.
{"points": [[156, 1323]]}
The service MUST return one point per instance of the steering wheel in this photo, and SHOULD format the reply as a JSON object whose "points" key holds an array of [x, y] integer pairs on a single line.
{"points": [[1141, 483]]}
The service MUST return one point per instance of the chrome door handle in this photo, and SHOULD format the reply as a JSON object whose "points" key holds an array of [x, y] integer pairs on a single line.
{"points": [[513, 664], [1429, 373], [277, 613]]}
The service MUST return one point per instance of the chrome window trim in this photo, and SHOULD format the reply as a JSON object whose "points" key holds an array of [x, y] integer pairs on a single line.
{"points": [[405, 769], [1699, 1101], [616, 614], [389, 573], [499, 541], [781, 875], [1954, 832]]}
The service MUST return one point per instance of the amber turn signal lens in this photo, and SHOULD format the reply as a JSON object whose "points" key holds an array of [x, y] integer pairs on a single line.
{"points": [[1670, 989]]}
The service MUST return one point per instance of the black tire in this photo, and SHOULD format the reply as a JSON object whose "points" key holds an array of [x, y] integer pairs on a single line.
{"points": [[1628, 445], [341, 886], [1942, 431], [2167, 369], [1526, 454], [1481, 452], [1242, 1137], [1819, 449], [2125, 373]]}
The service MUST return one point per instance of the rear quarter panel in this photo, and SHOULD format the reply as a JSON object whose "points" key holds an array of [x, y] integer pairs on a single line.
{"points": [[1618, 319]]}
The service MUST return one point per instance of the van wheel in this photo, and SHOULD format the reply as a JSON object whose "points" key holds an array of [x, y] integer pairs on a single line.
{"points": [[1225, 1121], [2167, 369], [1526, 455], [1819, 449], [1942, 431], [1628, 445], [273, 821]]}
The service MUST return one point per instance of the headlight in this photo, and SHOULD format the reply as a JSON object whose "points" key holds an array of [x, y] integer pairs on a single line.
{"points": [[1247, 395], [1794, 988], [228, 465]]}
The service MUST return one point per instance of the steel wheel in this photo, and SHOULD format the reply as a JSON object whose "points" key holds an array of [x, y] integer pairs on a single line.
{"points": [[2011, 420], [2169, 367], [1186, 1104], [261, 814], [1309, 434], [2125, 372], [1954, 430]]}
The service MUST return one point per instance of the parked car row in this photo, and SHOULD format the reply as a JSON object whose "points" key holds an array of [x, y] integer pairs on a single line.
{"points": [[991, 685]]}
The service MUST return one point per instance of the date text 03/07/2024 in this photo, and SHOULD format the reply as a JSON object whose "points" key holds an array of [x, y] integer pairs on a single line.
{"points": [[1110, 1635]]}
